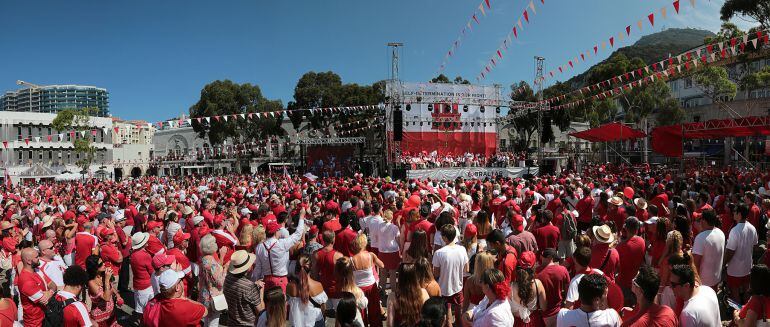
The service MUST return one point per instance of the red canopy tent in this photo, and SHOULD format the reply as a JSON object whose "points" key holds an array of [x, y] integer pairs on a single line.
{"points": [[609, 133], [667, 140]]}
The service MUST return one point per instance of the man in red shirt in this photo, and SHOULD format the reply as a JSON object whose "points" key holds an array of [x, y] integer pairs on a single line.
{"points": [[415, 222], [345, 236], [75, 312], [85, 242], [646, 312], [547, 235], [585, 209], [181, 242], [555, 279], [641, 209], [603, 257], [141, 267], [154, 245], [331, 223], [109, 251], [631, 253], [506, 255], [754, 211], [175, 309], [34, 289], [615, 211]]}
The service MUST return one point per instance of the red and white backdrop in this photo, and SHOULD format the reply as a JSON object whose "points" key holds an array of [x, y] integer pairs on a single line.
{"points": [[446, 119]]}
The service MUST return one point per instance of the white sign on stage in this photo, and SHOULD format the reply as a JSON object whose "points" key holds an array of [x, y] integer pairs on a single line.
{"points": [[470, 172]]}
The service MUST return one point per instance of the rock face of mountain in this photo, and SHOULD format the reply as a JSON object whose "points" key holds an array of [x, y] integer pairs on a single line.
{"points": [[655, 46]]}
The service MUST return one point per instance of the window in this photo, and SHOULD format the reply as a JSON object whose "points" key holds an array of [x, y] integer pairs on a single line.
{"points": [[502, 143], [688, 82], [18, 133]]}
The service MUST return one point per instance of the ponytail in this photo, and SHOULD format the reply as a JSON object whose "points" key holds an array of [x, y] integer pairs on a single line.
{"points": [[304, 287]]}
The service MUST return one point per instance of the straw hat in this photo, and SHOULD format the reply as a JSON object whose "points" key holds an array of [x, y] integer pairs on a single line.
{"points": [[641, 203], [47, 221], [603, 234], [240, 261], [139, 240], [616, 201]]}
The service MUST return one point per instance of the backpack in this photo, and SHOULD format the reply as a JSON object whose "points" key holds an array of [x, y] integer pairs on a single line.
{"points": [[151, 314], [569, 227], [54, 312]]}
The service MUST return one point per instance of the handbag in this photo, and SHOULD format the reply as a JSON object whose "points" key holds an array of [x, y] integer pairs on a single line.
{"points": [[220, 303]]}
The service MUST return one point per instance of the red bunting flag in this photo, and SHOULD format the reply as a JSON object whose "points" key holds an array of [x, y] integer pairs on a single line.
{"points": [[216, 117], [551, 72], [583, 56], [710, 48], [670, 61], [676, 6], [5, 144], [49, 138], [651, 18], [72, 134], [499, 54], [570, 64], [93, 132], [515, 34], [743, 47], [115, 129], [26, 140], [628, 30], [475, 19], [487, 2], [596, 49], [732, 42], [560, 70], [526, 15], [612, 41]]}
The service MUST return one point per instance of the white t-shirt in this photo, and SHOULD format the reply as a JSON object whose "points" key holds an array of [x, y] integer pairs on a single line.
{"points": [[374, 224], [572, 291], [451, 259], [710, 245], [742, 239], [54, 270], [388, 238], [701, 310], [580, 318], [438, 241]]}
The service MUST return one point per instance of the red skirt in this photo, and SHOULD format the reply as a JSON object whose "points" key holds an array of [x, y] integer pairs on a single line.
{"points": [[373, 316], [390, 260], [535, 320]]}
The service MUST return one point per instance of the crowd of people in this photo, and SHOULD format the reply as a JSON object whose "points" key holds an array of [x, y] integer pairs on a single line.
{"points": [[607, 246], [425, 160]]}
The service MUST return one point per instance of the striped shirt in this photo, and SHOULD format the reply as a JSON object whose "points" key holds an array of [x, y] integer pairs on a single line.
{"points": [[242, 297]]}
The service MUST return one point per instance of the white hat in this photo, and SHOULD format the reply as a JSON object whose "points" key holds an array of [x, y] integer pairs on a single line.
{"points": [[240, 261], [169, 278], [187, 210], [82, 208], [245, 211], [197, 219], [653, 220], [139, 240]]}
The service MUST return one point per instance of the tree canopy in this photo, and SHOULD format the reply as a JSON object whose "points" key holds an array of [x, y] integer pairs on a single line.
{"points": [[221, 98], [441, 78], [758, 10], [77, 120]]}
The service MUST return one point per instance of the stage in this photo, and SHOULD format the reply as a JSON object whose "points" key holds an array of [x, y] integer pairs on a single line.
{"points": [[470, 172]]}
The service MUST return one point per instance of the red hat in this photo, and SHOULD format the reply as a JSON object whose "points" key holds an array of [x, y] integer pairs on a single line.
{"points": [[313, 230], [180, 236], [204, 230], [218, 219], [272, 227], [152, 224], [470, 231], [526, 260], [161, 259], [517, 222], [106, 231]]}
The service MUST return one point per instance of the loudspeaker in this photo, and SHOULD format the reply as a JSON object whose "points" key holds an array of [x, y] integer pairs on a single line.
{"points": [[399, 173], [398, 125]]}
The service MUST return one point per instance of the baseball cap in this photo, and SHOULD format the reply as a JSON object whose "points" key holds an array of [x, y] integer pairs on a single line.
{"points": [[197, 219], [169, 278], [272, 227], [470, 231], [180, 236], [161, 259]]}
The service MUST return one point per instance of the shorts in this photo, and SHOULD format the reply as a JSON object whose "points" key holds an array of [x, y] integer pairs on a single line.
{"points": [[141, 297], [738, 282], [390, 260], [271, 281], [456, 299]]}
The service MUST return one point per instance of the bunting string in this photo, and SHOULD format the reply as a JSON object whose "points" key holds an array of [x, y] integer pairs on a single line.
{"points": [[467, 28], [514, 33]]}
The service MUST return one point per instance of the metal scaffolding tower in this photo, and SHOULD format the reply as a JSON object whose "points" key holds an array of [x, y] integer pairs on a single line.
{"points": [[539, 67]]}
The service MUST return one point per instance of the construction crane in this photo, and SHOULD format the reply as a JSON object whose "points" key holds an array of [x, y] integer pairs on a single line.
{"points": [[27, 84]]}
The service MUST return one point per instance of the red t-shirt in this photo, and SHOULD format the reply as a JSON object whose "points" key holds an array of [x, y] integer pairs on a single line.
{"points": [[754, 214], [111, 257], [180, 312], [654, 316], [631, 254], [555, 279], [141, 266], [760, 305], [585, 209], [618, 216], [332, 225], [154, 245], [208, 217], [84, 245], [599, 253], [508, 264], [343, 240], [75, 314], [31, 287], [184, 263], [547, 237]]}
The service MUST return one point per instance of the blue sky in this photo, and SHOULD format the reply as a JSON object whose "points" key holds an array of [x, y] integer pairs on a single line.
{"points": [[155, 56]]}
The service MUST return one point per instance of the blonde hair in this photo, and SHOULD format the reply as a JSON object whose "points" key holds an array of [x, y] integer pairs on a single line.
{"points": [[259, 234], [247, 235], [208, 244], [387, 215], [358, 244], [482, 261]]}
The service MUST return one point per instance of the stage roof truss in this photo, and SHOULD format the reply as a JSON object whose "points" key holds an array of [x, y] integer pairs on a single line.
{"points": [[330, 141]]}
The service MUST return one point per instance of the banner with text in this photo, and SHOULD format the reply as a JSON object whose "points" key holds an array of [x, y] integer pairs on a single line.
{"points": [[471, 172]]}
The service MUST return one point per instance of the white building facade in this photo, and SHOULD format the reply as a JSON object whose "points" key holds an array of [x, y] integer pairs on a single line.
{"points": [[133, 147]]}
